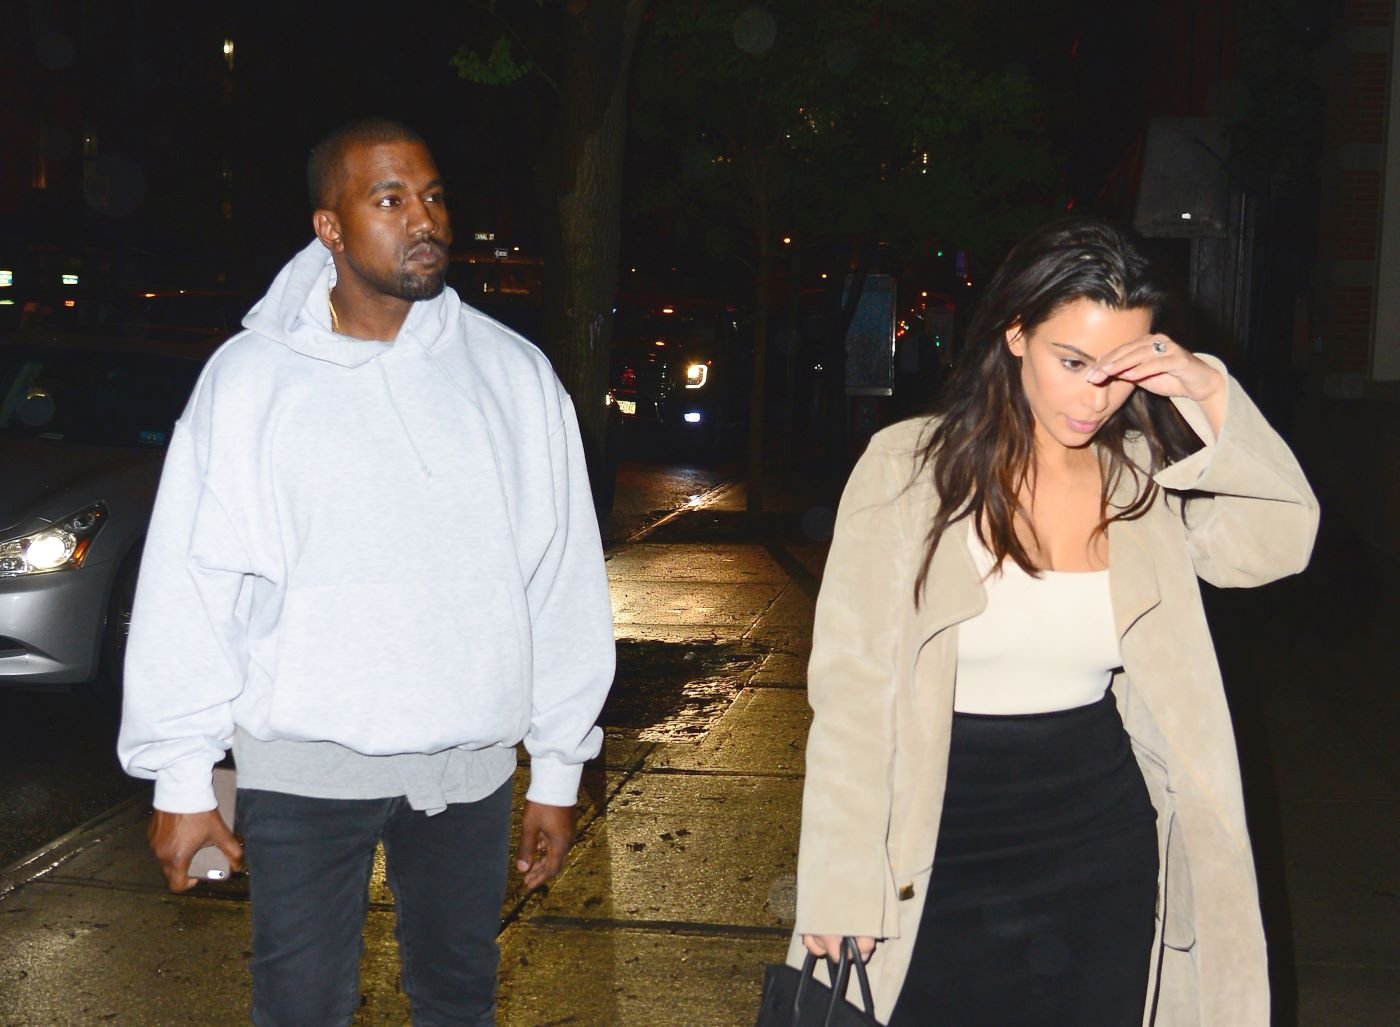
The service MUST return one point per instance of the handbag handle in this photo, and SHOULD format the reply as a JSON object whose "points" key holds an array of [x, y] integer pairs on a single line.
{"points": [[850, 956]]}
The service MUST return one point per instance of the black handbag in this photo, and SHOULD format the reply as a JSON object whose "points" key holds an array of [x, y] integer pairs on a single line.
{"points": [[795, 998]]}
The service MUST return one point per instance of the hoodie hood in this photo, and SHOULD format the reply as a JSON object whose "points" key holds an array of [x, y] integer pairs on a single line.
{"points": [[307, 578], [296, 313]]}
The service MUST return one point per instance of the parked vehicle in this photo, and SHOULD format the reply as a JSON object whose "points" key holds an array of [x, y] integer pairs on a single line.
{"points": [[682, 366], [84, 425], [176, 314]]}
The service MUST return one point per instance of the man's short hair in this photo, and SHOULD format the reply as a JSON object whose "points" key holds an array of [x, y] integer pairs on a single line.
{"points": [[325, 167]]}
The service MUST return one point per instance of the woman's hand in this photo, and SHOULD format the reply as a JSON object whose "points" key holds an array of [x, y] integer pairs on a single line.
{"points": [[1159, 365], [829, 945]]}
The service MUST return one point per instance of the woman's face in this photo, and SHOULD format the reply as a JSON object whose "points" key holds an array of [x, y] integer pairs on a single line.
{"points": [[1056, 356]]}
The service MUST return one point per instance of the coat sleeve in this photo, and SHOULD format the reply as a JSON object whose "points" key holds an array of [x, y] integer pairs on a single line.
{"points": [[1252, 516], [571, 627], [187, 635], [843, 865]]}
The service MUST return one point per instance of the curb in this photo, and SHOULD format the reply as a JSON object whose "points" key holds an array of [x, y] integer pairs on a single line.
{"points": [[49, 857], [699, 502]]}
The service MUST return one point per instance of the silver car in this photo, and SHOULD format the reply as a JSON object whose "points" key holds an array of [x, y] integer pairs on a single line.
{"points": [[84, 424]]}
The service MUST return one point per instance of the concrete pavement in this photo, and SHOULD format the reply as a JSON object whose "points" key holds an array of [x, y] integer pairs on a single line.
{"points": [[681, 886]]}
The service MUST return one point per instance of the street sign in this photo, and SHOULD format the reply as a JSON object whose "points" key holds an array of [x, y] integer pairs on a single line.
{"points": [[870, 339]]}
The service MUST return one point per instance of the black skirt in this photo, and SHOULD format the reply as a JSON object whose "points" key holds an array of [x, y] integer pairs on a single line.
{"points": [[1041, 902]]}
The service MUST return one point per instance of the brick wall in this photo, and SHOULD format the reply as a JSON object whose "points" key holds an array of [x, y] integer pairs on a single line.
{"points": [[1348, 429], [1361, 98], [1347, 315], [1352, 191], [1353, 231], [1369, 13]]}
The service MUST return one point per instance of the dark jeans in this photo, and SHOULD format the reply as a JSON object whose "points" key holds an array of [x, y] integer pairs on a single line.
{"points": [[309, 863]]}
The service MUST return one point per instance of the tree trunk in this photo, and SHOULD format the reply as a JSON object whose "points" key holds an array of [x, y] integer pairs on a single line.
{"points": [[792, 349], [760, 345], [581, 249]]}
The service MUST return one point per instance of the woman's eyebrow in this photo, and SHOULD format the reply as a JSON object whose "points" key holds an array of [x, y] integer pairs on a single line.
{"points": [[1075, 350]]}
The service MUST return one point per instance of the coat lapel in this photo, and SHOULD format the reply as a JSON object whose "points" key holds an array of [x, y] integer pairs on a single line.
{"points": [[954, 592], [1132, 573]]}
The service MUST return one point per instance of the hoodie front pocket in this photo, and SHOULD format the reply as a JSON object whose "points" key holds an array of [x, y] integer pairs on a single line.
{"points": [[392, 667]]}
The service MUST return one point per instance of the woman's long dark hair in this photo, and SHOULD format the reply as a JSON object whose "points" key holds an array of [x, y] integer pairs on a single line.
{"points": [[979, 447]]}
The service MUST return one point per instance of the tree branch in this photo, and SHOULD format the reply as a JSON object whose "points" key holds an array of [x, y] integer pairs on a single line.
{"points": [[490, 11]]}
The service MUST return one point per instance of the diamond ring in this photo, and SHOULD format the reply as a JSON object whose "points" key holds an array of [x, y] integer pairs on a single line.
{"points": [[1160, 348]]}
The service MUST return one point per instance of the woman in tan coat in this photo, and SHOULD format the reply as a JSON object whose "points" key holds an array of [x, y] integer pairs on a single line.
{"points": [[1022, 796]]}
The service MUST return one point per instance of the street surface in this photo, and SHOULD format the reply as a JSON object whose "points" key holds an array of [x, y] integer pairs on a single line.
{"points": [[650, 484], [681, 886], [57, 763]]}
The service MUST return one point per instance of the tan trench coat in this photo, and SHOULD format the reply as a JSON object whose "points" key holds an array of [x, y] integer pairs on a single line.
{"points": [[881, 682]]}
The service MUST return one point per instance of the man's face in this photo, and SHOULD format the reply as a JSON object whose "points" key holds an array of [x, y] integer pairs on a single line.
{"points": [[393, 221]]}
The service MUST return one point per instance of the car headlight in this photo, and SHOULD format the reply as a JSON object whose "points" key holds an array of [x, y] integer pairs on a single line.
{"points": [[696, 375], [60, 546]]}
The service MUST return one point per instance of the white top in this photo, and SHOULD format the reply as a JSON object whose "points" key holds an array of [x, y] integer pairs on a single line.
{"points": [[1042, 644]]}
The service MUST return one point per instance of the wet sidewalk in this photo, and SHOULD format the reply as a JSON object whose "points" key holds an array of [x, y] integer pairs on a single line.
{"points": [[681, 886], [679, 890]]}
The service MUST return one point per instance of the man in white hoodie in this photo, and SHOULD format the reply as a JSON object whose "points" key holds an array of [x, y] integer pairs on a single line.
{"points": [[373, 569]]}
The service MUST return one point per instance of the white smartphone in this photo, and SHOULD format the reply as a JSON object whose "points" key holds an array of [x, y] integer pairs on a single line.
{"points": [[210, 863]]}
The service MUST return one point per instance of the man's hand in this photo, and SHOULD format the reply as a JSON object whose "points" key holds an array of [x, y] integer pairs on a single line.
{"points": [[176, 837], [546, 832]]}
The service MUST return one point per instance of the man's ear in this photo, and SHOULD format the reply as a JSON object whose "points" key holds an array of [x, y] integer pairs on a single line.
{"points": [[327, 228], [1016, 339]]}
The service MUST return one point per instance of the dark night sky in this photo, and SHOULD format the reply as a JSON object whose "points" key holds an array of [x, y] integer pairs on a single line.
{"points": [[148, 78], [151, 75]]}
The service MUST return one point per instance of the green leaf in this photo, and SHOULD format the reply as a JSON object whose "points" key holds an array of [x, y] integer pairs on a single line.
{"points": [[498, 68]]}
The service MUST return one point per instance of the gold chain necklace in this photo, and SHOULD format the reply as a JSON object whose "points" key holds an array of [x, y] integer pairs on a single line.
{"points": [[335, 319]]}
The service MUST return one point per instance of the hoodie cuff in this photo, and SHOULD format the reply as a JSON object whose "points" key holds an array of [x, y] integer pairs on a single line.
{"points": [[553, 783], [185, 787]]}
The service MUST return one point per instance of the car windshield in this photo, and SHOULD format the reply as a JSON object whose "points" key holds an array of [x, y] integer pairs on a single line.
{"points": [[92, 397]]}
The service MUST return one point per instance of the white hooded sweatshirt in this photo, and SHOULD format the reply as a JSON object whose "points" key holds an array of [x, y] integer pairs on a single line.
{"points": [[387, 546]]}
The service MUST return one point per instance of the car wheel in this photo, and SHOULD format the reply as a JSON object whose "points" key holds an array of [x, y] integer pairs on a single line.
{"points": [[118, 627]]}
